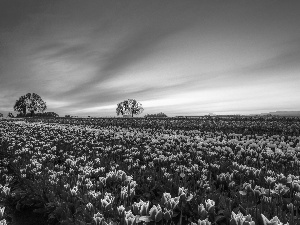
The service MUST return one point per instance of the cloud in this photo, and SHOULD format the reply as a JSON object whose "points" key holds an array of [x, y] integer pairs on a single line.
{"points": [[58, 50], [57, 104], [86, 57], [123, 55], [283, 61], [95, 109], [120, 44]]}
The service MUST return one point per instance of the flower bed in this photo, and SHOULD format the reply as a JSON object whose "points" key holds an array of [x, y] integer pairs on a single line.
{"points": [[143, 171]]}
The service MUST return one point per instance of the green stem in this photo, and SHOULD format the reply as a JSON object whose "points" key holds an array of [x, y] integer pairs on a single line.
{"points": [[180, 221]]}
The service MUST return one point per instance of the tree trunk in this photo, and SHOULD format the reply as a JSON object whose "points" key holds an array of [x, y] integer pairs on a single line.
{"points": [[32, 113], [131, 114], [24, 111]]}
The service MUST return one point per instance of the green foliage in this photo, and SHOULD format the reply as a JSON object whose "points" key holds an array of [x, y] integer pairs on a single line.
{"points": [[10, 115], [157, 115], [129, 107], [30, 102], [39, 115]]}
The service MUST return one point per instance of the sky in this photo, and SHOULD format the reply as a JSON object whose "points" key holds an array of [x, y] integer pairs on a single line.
{"points": [[190, 57]]}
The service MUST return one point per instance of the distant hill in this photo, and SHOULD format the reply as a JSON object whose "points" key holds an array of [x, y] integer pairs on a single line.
{"points": [[279, 113]]}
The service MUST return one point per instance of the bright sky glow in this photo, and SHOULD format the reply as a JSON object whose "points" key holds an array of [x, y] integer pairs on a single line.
{"points": [[178, 57]]}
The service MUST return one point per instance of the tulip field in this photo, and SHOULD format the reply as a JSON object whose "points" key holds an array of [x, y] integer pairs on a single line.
{"points": [[194, 171]]}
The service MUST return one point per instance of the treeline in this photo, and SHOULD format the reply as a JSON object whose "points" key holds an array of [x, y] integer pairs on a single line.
{"points": [[156, 115], [45, 114]]}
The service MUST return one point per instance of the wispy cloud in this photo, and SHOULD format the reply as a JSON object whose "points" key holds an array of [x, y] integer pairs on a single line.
{"points": [[180, 57], [284, 61]]}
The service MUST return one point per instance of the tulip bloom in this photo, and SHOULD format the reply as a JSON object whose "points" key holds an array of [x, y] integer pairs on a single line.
{"points": [[98, 218], [3, 222], [2, 212], [129, 218], [273, 221], [156, 213], [121, 210], [240, 219]]}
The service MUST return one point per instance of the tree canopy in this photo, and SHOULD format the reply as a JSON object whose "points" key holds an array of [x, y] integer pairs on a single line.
{"points": [[129, 107], [10, 115], [31, 102]]}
